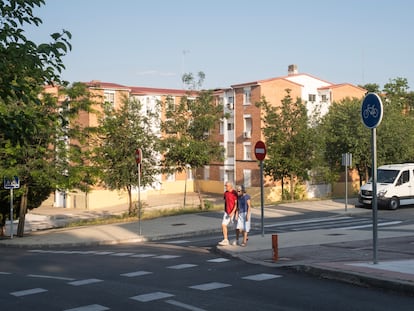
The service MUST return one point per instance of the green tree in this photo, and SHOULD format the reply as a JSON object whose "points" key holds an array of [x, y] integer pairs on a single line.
{"points": [[25, 65], [344, 131], [71, 143], [289, 140], [188, 126], [29, 122], [120, 132]]}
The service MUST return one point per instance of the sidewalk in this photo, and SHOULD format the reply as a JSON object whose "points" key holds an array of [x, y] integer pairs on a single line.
{"points": [[335, 253]]}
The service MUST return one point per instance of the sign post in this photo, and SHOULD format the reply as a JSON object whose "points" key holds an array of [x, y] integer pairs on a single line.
{"points": [[11, 184], [371, 113], [138, 160], [260, 153], [346, 161]]}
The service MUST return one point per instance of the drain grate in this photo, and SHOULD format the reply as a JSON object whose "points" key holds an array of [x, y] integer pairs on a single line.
{"points": [[175, 225]]}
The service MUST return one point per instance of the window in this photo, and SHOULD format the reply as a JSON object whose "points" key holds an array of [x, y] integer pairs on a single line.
{"points": [[405, 177], [247, 126], [207, 172], [109, 98], [230, 149], [230, 126], [247, 96], [221, 127], [247, 151], [312, 97], [324, 98], [170, 103]]}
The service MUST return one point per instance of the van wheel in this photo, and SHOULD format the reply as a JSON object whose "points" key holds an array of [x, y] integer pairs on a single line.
{"points": [[394, 203]]}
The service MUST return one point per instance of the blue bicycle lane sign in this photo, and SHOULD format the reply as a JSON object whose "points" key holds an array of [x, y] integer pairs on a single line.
{"points": [[372, 110]]}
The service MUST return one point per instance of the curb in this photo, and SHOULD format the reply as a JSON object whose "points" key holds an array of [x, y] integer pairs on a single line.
{"points": [[355, 278]]}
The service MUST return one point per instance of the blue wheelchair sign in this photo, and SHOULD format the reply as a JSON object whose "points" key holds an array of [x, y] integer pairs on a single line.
{"points": [[372, 110]]}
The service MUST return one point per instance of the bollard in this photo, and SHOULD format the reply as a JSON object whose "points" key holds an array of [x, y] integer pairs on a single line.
{"points": [[275, 247]]}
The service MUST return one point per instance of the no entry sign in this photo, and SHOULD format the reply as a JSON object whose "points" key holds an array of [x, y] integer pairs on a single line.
{"points": [[260, 150]]}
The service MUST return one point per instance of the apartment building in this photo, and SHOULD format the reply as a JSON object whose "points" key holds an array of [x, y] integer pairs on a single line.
{"points": [[237, 134], [150, 99], [240, 132]]}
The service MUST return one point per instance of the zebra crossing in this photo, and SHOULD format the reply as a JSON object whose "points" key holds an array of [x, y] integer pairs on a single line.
{"points": [[179, 264], [335, 222]]}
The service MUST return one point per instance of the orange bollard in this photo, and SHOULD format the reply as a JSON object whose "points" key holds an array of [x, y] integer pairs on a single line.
{"points": [[275, 247]]}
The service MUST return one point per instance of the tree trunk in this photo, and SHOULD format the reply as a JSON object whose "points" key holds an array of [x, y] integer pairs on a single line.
{"points": [[22, 215], [130, 207], [199, 192], [292, 188]]}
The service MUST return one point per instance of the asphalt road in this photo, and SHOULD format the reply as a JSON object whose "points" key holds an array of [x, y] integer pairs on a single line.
{"points": [[169, 276]]}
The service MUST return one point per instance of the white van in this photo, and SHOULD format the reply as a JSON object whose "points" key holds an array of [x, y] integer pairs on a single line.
{"points": [[395, 186]]}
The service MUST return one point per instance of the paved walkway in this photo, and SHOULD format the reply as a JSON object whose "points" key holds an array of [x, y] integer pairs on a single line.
{"points": [[336, 253]]}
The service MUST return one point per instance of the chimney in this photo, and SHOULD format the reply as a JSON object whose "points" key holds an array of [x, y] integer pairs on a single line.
{"points": [[292, 70]]}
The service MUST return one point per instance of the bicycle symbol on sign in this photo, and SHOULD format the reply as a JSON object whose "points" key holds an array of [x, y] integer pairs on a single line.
{"points": [[370, 110]]}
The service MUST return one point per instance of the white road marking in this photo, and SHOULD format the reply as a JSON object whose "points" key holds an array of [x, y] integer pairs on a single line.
{"points": [[136, 273], [4, 272], [261, 277], [300, 222], [85, 282], [50, 277], [28, 292], [122, 254], [218, 260], [103, 253], [167, 256], [182, 266], [183, 305], [210, 286], [89, 308], [144, 255], [370, 225], [151, 296]]}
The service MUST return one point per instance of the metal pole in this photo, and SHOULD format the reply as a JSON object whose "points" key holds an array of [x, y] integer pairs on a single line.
{"points": [[139, 197], [346, 182], [262, 195], [374, 195], [185, 186], [11, 213]]}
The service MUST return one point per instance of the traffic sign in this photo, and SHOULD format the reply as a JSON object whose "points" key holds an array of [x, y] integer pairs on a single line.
{"points": [[13, 183], [138, 155], [371, 110], [260, 150]]}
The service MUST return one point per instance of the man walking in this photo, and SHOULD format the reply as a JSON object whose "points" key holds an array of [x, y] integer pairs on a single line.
{"points": [[230, 204]]}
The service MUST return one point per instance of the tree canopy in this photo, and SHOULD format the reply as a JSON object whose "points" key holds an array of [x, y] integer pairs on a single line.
{"points": [[29, 122], [188, 129], [120, 132], [289, 140], [343, 130]]}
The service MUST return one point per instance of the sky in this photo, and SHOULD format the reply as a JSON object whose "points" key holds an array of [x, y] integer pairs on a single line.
{"points": [[152, 43]]}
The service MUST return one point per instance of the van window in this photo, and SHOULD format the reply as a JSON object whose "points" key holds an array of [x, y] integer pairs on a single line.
{"points": [[405, 177], [386, 176]]}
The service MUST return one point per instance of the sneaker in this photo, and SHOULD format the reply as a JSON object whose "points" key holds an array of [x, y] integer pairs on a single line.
{"points": [[243, 245], [225, 242], [235, 243]]}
